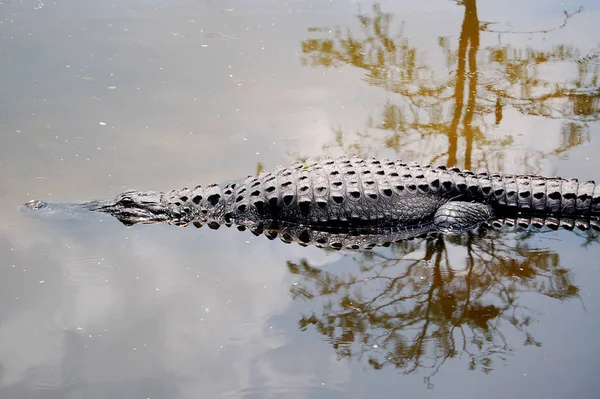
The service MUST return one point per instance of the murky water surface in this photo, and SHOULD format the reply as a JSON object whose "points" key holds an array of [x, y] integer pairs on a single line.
{"points": [[99, 97]]}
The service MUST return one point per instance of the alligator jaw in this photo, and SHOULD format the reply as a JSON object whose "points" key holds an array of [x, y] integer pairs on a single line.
{"points": [[133, 207], [130, 207], [58, 210]]}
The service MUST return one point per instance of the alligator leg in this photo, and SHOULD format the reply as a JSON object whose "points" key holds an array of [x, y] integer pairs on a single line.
{"points": [[457, 216]]}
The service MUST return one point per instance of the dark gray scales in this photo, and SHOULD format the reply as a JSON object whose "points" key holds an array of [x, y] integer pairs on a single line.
{"points": [[374, 194], [358, 196], [326, 194]]}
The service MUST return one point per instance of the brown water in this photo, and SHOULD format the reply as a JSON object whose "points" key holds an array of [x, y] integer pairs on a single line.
{"points": [[98, 97]]}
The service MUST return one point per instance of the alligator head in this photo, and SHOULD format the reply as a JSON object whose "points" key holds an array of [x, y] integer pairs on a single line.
{"points": [[132, 207]]}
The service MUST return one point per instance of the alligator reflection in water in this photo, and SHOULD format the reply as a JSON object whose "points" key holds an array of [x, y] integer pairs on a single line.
{"points": [[410, 308], [427, 111]]}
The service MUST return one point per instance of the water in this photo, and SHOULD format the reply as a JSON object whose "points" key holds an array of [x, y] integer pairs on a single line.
{"points": [[98, 98]]}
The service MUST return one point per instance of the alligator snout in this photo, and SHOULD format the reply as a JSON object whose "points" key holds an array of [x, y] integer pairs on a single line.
{"points": [[35, 204]]}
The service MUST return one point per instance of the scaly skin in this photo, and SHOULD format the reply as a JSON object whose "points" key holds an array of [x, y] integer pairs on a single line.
{"points": [[362, 197]]}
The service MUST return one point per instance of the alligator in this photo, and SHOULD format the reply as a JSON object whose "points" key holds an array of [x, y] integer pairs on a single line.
{"points": [[350, 202]]}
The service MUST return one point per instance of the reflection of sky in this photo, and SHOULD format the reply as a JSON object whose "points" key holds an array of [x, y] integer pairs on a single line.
{"points": [[130, 305], [160, 95], [249, 89]]}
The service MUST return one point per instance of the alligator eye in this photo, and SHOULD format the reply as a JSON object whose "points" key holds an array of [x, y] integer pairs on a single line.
{"points": [[126, 201]]}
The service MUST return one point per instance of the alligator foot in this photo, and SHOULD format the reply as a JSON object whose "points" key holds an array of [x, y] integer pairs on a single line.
{"points": [[458, 216]]}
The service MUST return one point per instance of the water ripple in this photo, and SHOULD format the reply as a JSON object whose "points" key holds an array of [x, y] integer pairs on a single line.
{"points": [[90, 271], [290, 391]]}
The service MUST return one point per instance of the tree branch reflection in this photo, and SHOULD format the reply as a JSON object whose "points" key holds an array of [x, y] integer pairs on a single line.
{"points": [[429, 112], [414, 306]]}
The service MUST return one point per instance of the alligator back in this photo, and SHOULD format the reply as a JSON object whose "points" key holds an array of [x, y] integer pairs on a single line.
{"points": [[337, 193]]}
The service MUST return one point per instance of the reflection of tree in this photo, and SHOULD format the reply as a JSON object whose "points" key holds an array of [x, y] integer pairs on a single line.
{"points": [[412, 309], [429, 110]]}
